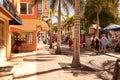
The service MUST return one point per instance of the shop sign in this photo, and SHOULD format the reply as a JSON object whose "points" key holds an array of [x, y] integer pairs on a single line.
{"points": [[45, 12], [40, 8]]}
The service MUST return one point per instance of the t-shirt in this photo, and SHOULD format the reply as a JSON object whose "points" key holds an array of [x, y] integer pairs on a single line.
{"points": [[104, 40]]}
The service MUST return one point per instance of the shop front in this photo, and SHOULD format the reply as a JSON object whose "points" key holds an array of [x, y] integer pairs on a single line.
{"points": [[7, 17], [27, 35]]}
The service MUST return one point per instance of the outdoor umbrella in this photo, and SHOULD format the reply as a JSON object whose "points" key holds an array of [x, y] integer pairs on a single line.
{"points": [[114, 27]]}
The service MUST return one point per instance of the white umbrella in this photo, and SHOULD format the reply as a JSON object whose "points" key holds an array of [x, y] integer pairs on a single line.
{"points": [[111, 27]]}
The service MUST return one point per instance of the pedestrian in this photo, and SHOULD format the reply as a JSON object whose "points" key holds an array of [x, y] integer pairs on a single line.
{"points": [[81, 42], [109, 43], [88, 42], [97, 44], [104, 43], [70, 42], [53, 41], [17, 46]]}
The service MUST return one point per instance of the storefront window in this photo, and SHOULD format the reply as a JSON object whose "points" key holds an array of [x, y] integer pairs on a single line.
{"points": [[24, 37], [1, 33], [30, 38]]}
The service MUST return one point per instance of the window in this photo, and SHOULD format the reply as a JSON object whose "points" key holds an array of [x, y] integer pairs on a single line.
{"points": [[29, 9], [1, 33], [24, 37], [26, 8], [23, 9], [30, 38]]}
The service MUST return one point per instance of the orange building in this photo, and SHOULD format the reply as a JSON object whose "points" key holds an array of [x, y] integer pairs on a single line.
{"points": [[32, 23]]}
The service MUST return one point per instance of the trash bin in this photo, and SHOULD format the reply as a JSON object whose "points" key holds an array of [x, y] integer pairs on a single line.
{"points": [[116, 75]]}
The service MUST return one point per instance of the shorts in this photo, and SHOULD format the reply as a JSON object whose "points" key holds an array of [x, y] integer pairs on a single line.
{"points": [[104, 45]]}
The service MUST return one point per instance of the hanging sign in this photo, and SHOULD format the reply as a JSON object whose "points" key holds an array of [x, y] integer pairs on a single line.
{"points": [[45, 11]]}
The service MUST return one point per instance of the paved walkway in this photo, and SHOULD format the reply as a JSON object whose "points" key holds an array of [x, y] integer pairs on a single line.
{"points": [[42, 65]]}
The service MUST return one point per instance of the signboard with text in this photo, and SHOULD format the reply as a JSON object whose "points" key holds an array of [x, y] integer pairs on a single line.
{"points": [[45, 11]]}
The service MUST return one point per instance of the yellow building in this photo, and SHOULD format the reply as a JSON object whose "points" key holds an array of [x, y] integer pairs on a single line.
{"points": [[7, 17]]}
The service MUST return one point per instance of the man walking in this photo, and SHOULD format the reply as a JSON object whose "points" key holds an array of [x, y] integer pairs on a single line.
{"points": [[104, 43]]}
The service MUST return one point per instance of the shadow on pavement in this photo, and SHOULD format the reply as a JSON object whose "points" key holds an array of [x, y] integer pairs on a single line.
{"points": [[34, 60], [39, 73], [111, 56], [39, 58], [86, 70], [27, 55], [106, 66], [82, 67]]}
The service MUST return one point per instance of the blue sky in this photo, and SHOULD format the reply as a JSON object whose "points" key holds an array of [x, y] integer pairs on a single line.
{"points": [[71, 11]]}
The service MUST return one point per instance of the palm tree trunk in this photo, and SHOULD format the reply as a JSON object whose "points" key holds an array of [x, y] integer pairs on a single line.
{"points": [[76, 52], [58, 49], [97, 33], [50, 30]]}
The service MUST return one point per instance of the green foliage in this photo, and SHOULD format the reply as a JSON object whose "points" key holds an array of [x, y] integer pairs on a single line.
{"points": [[117, 20], [65, 4], [68, 21], [108, 11], [54, 28]]}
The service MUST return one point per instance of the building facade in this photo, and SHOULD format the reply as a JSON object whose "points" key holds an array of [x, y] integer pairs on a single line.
{"points": [[7, 17], [31, 16]]}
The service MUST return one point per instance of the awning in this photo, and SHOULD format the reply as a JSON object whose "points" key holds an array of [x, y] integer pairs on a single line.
{"points": [[32, 24], [44, 26], [114, 27], [16, 20], [15, 28]]}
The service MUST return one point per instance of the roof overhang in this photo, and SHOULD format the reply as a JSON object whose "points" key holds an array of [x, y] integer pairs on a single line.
{"points": [[33, 24], [15, 28], [9, 10]]}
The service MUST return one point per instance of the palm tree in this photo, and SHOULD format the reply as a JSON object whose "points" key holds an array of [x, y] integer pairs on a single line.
{"points": [[68, 23], [99, 8], [76, 52], [49, 22], [53, 5]]}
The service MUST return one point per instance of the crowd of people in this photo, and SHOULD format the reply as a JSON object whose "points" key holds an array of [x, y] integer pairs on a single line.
{"points": [[102, 44]]}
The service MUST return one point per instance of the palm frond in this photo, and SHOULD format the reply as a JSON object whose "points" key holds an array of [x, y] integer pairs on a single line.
{"points": [[65, 7]]}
